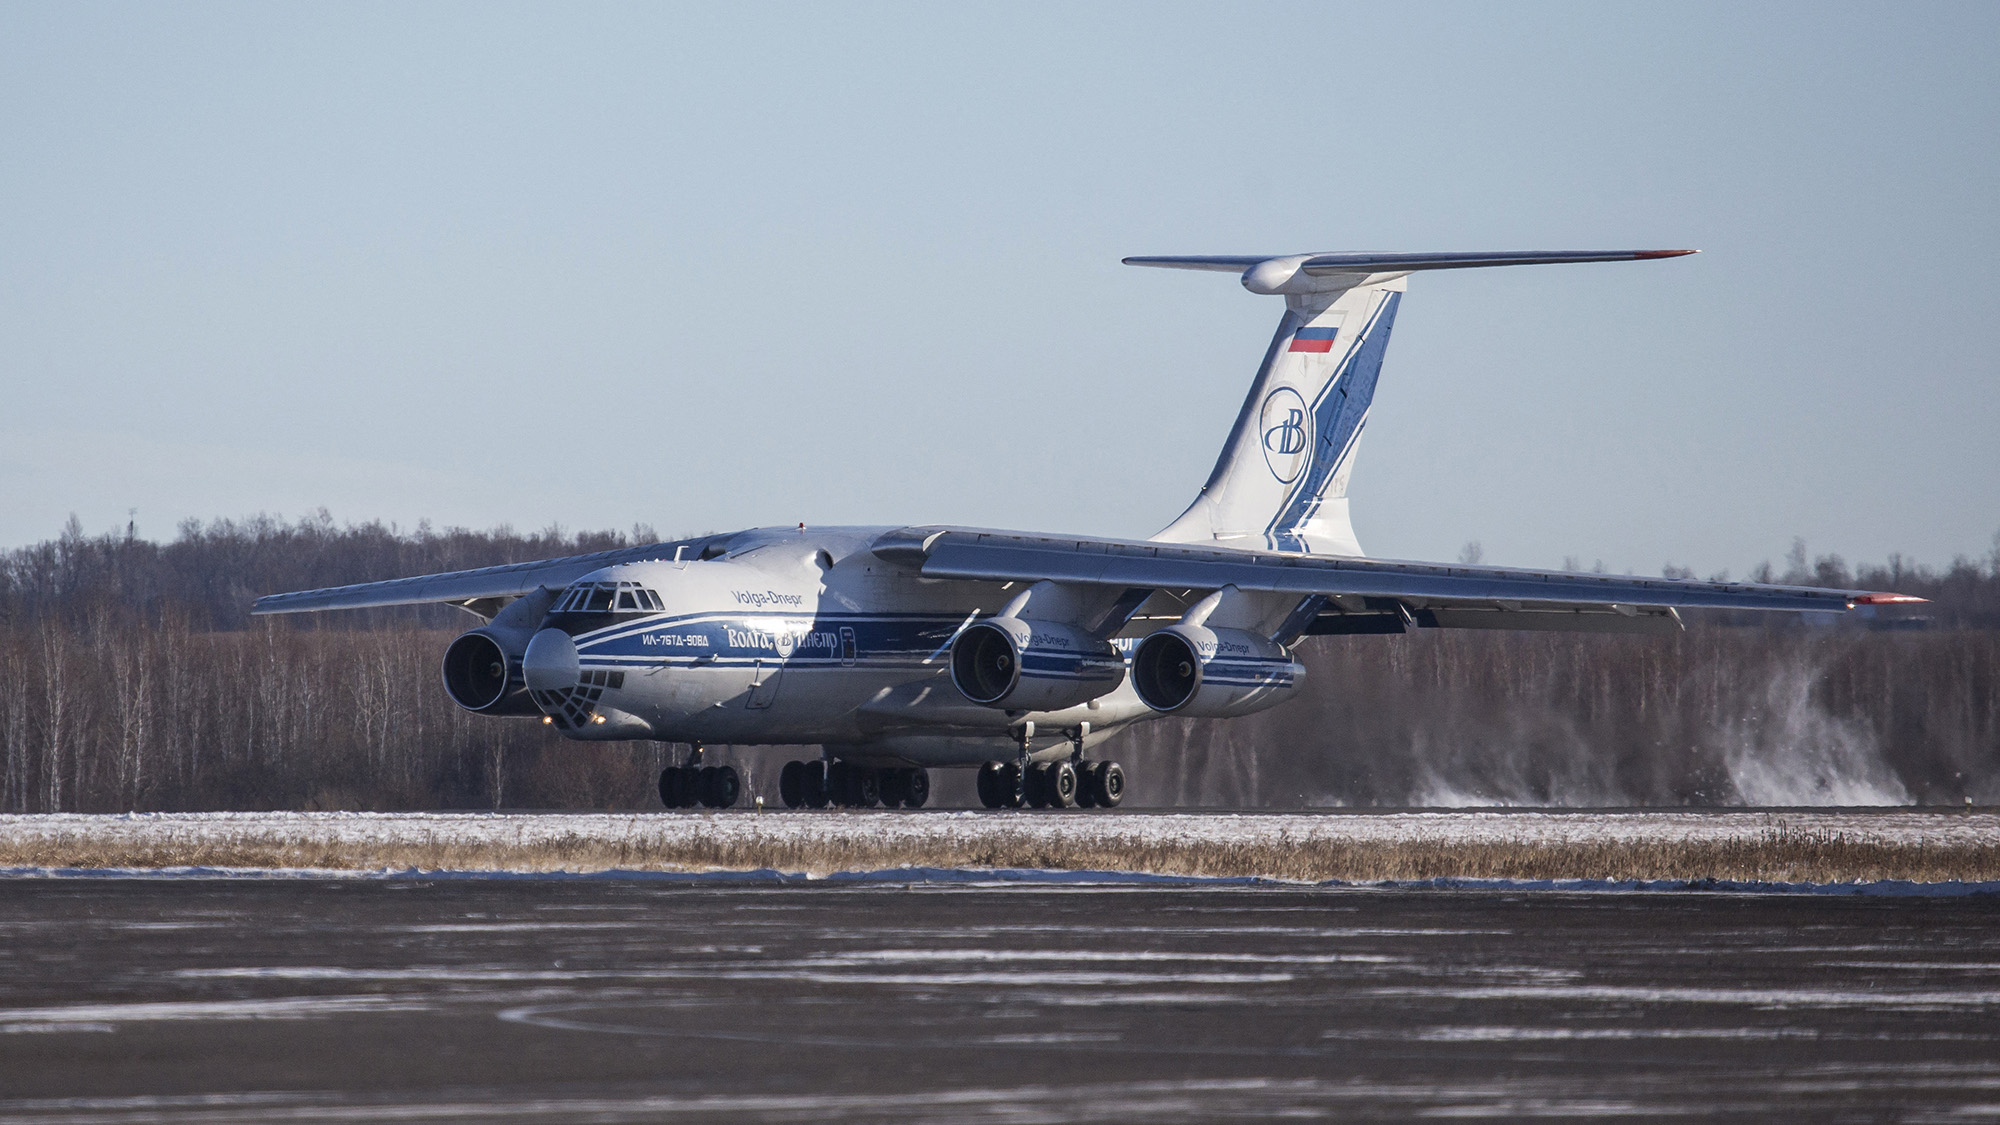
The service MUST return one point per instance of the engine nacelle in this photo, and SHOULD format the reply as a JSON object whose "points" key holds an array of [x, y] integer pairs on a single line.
{"points": [[482, 673], [1032, 665], [1208, 673]]}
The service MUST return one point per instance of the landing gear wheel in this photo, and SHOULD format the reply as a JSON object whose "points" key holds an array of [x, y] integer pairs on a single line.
{"points": [[1036, 790], [1086, 785], [890, 782], [677, 787], [916, 788], [704, 786], [865, 787], [792, 784], [1108, 784], [812, 784], [1008, 785], [724, 786], [837, 793], [1059, 785], [989, 784]]}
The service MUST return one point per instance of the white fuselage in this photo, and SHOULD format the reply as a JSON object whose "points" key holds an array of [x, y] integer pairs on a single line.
{"points": [[790, 638]]}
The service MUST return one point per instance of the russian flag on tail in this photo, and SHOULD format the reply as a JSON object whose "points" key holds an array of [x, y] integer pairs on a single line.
{"points": [[1313, 340]]}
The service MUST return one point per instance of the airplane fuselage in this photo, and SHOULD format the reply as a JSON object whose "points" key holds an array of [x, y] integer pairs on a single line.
{"points": [[787, 638]]}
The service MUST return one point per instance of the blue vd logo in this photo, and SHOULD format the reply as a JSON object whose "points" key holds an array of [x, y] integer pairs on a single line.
{"points": [[1286, 428], [1289, 436]]}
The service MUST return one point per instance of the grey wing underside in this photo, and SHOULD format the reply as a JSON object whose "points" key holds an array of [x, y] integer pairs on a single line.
{"points": [[478, 590], [1359, 595]]}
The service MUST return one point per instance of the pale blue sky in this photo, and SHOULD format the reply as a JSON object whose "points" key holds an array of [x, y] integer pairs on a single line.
{"points": [[719, 266]]}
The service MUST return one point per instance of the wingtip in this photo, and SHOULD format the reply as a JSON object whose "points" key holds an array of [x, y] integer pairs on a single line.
{"points": [[1890, 599], [1644, 254]]}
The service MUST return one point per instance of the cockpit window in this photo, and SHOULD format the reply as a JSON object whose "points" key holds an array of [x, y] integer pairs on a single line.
{"points": [[608, 597]]}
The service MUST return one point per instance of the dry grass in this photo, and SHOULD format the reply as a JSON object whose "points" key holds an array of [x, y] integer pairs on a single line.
{"points": [[1775, 855]]}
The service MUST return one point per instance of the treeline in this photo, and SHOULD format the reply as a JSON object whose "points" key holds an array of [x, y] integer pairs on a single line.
{"points": [[1715, 716], [209, 574], [132, 677]]}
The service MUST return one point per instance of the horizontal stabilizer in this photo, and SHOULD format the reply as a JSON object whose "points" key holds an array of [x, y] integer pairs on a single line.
{"points": [[1308, 273], [1322, 264]]}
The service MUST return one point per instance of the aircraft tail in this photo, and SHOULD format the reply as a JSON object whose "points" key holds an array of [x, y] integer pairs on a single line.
{"points": [[1281, 482]]}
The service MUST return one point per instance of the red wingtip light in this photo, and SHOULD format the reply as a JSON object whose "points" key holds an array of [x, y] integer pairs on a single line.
{"points": [[1662, 253], [1889, 599]]}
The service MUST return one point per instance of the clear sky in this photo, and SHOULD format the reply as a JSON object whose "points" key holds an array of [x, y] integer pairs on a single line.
{"points": [[727, 265]]}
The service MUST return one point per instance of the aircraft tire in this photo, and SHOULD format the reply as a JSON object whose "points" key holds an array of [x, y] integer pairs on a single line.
{"points": [[890, 781], [1109, 781], [704, 786], [1059, 785], [812, 784], [989, 784], [677, 787], [866, 787], [1035, 792], [836, 785], [724, 787], [792, 784], [916, 788], [1086, 787], [1007, 786]]}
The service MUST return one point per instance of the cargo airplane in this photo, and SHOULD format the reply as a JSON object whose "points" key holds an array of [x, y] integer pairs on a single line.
{"points": [[895, 650]]}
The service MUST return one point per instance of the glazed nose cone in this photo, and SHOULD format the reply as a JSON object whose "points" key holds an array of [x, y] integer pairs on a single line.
{"points": [[551, 661]]}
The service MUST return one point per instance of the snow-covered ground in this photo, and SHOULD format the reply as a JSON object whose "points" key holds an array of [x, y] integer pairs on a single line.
{"points": [[1933, 828]]}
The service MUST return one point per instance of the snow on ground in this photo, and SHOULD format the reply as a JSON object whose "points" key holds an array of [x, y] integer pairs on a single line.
{"points": [[1122, 829]]}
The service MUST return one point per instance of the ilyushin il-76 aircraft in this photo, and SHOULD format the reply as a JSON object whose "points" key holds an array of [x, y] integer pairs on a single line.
{"points": [[896, 650]]}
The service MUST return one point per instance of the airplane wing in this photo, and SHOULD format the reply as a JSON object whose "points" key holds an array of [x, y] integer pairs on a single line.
{"points": [[1359, 595], [461, 587]]}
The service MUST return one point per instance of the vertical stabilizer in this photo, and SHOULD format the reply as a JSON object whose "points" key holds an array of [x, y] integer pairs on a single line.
{"points": [[1281, 482]]}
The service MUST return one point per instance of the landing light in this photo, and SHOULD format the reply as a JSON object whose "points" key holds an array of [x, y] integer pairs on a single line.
{"points": [[597, 718], [546, 720]]}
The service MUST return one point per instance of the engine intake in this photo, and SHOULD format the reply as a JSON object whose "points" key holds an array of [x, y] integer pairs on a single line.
{"points": [[1212, 673], [1032, 665], [480, 675]]}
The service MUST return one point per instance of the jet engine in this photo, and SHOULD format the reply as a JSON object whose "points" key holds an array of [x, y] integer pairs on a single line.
{"points": [[482, 673], [1032, 665], [1208, 673]]}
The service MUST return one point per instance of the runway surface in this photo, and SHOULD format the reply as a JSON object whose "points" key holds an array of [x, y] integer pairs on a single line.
{"points": [[610, 1000]]}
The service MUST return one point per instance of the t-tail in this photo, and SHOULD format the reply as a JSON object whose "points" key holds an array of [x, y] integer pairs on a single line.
{"points": [[1281, 482]]}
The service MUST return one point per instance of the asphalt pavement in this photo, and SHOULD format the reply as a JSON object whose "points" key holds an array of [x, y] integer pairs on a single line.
{"points": [[581, 999]]}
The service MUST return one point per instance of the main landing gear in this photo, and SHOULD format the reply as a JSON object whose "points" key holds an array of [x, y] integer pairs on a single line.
{"points": [[1052, 785], [711, 787], [1073, 783], [815, 785]]}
